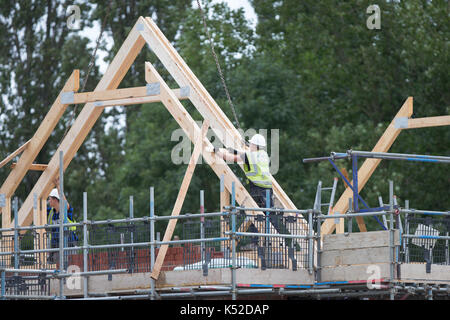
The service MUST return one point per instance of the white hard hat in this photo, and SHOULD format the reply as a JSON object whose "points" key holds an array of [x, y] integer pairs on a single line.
{"points": [[54, 193], [258, 140]]}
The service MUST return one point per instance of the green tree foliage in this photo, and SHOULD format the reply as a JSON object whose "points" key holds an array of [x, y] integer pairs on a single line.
{"points": [[38, 54]]}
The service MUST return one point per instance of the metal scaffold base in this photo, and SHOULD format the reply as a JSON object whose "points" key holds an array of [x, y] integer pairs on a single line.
{"points": [[338, 290], [221, 257]]}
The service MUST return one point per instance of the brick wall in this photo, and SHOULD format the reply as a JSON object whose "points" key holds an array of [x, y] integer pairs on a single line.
{"points": [[118, 259]]}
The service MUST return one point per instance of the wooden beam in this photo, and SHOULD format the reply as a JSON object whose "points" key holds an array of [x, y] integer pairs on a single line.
{"points": [[428, 122], [137, 100], [345, 173], [115, 94], [85, 121], [369, 165], [14, 154], [6, 213], [33, 166], [180, 199]]}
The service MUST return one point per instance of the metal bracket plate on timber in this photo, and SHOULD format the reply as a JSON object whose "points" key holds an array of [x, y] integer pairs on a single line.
{"points": [[153, 88], [67, 97]]}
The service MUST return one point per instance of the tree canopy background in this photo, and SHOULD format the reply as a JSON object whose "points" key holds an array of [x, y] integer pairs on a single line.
{"points": [[311, 69]]}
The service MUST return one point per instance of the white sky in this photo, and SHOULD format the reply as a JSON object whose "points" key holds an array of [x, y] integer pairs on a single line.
{"points": [[235, 4]]}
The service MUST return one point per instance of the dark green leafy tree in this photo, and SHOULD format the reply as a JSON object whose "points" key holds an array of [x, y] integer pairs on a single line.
{"points": [[38, 54]]}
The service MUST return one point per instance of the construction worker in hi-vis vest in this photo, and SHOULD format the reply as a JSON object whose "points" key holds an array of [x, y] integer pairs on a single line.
{"points": [[256, 168], [54, 216]]}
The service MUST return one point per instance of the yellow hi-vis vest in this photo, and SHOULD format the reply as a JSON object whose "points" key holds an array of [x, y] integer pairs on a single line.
{"points": [[258, 172], [50, 219]]}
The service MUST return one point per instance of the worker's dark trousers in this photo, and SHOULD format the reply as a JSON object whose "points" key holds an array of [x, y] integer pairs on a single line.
{"points": [[70, 241], [259, 195]]}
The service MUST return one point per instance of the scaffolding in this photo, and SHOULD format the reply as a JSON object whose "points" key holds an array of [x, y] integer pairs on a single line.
{"points": [[213, 241], [354, 186], [122, 245]]}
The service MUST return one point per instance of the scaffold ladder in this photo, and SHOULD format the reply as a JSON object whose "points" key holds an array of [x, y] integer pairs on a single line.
{"points": [[318, 200]]}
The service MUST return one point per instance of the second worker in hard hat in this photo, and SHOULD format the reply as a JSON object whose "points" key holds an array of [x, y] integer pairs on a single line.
{"points": [[256, 168], [53, 218]]}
